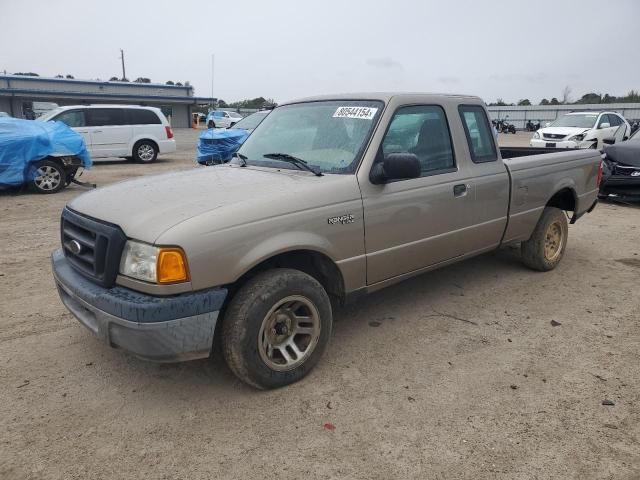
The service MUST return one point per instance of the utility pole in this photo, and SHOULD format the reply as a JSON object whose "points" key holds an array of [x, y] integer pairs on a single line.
{"points": [[213, 59], [124, 75]]}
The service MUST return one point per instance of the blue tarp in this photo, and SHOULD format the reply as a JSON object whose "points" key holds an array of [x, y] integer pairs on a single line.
{"points": [[24, 142], [217, 146]]}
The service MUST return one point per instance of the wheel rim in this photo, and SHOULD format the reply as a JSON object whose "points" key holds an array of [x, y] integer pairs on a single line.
{"points": [[145, 152], [289, 333], [47, 178], [553, 241]]}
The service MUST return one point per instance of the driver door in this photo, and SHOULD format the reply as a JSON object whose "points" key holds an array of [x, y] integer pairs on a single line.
{"points": [[414, 223]]}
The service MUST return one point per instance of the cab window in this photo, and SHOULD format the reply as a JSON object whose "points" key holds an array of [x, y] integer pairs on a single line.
{"points": [[422, 130], [73, 118], [479, 135]]}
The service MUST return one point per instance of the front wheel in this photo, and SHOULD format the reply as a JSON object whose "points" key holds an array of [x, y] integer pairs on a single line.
{"points": [[544, 250], [276, 328], [48, 177]]}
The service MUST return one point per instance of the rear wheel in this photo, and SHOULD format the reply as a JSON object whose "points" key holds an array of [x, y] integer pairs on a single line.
{"points": [[544, 250], [276, 328], [145, 151], [48, 177]]}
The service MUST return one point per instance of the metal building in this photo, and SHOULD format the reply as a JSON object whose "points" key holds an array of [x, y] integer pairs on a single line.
{"points": [[548, 113], [25, 97]]}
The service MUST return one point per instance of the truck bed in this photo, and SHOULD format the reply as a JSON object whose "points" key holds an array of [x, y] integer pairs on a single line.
{"points": [[539, 173]]}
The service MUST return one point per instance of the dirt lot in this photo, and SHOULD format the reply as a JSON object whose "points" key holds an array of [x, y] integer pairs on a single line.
{"points": [[458, 373]]}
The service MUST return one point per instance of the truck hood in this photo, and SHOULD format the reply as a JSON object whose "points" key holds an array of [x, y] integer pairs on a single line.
{"points": [[146, 207], [565, 131]]}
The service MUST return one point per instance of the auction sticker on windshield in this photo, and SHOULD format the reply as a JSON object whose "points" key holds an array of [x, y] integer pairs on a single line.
{"points": [[365, 113]]}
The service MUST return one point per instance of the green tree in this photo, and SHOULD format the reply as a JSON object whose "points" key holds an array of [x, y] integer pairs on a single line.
{"points": [[524, 102], [554, 101], [142, 80], [544, 101], [169, 82]]}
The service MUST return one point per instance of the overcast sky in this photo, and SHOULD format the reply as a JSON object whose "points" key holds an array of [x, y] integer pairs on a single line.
{"points": [[287, 49]]}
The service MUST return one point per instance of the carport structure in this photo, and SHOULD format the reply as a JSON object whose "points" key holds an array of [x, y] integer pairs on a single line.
{"points": [[20, 94]]}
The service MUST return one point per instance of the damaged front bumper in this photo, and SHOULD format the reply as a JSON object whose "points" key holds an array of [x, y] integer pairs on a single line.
{"points": [[163, 329]]}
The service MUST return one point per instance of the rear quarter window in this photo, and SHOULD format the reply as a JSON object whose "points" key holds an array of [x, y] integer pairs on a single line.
{"points": [[478, 132]]}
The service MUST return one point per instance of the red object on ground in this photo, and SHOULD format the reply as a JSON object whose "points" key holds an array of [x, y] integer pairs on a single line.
{"points": [[329, 426]]}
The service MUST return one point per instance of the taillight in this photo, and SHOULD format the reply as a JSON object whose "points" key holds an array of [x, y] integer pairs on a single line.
{"points": [[169, 132], [599, 174]]}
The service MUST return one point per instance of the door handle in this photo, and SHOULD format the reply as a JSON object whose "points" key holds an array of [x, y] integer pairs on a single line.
{"points": [[97, 131], [460, 190]]}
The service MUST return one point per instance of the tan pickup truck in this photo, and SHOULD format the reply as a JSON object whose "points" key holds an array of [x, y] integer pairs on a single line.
{"points": [[329, 198]]}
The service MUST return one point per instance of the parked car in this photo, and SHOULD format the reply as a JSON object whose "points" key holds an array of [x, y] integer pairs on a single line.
{"points": [[332, 196], [621, 167], [218, 146], [222, 119], [128, 131], [45, 156], [579, 130]]}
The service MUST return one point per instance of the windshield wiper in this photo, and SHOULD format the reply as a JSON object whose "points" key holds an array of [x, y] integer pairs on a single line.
{"points": [[241, 157], [298, 162]]}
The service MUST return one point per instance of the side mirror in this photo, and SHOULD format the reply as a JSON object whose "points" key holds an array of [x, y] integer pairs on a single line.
{"points": [[546, 124], [609, 140], [604, 125], [396, 166]]}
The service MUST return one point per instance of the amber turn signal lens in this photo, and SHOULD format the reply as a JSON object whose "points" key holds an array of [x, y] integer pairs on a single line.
{"points": [[172, 266]]}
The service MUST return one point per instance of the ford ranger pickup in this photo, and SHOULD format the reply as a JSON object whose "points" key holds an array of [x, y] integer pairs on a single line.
{"points": [[329, 198]]}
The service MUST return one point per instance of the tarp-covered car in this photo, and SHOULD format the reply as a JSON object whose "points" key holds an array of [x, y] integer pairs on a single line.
{"points": [[621, 169], [218, 146], [46, 155]]}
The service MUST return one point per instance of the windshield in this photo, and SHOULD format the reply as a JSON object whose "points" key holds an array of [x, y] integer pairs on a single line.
{"points": [[48, 115], [252, 121], [329, 135], [579, 121]]}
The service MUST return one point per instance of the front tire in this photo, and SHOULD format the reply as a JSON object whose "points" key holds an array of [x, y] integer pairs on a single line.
{"points": [[48, 177], [276, 328], [544, 250], [145, 151]]}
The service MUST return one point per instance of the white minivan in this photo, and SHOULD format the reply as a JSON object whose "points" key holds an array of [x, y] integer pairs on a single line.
{"points": [[130, 131]]}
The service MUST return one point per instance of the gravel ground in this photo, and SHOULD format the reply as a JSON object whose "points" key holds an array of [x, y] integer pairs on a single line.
{"points": [[483, 369]]}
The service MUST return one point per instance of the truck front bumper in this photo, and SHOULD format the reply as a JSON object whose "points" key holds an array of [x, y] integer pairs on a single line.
{"points": [[162, 329]]}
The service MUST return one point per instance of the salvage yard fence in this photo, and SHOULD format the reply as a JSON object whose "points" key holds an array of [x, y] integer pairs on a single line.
{"points": [[519, 116]]}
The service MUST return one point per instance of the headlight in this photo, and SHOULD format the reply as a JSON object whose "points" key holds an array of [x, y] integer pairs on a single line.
{"points": [[536, 136], [154, 264], [577, 138]]}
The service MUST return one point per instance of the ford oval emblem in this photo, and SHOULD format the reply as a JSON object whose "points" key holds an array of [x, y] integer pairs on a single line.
{"points": [[74, 247]]}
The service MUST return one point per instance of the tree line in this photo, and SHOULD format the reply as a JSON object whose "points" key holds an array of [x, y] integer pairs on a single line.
{"points": [[588, 98], [112, 79]]}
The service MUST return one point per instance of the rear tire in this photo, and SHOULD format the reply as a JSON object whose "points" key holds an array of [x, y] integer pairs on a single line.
{"points": [[145, 151], [544, 250], [48, 177], [276, 328]]}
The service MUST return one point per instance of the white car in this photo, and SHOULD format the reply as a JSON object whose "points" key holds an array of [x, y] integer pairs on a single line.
{"points": [[130, 131], [222, 119], [580, 130]]}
